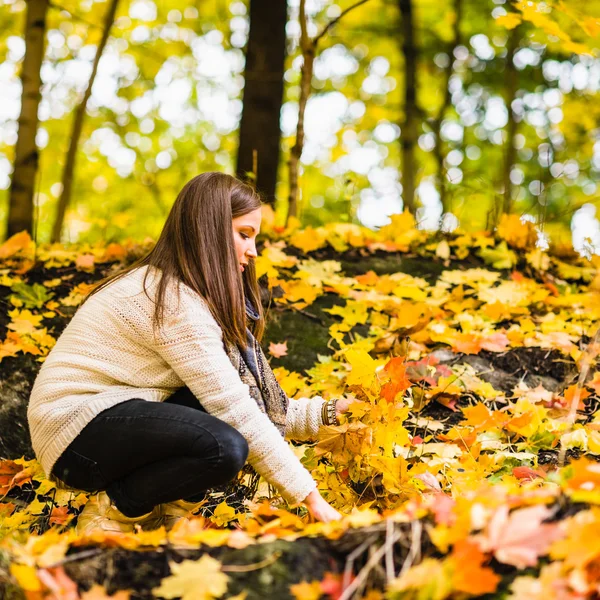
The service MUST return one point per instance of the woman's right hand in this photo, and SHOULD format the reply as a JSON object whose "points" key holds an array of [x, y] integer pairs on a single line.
{"points": [[320, 509]]}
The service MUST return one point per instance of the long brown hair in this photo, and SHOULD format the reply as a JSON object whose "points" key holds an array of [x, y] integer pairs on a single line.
{"points": [[196, 247]]}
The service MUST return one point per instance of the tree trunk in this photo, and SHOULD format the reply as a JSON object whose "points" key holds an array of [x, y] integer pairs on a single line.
{"points": [[511, 84], [20, 211], [409, 126], [440, 154], [260, 132], [67, 178], [308, 53]]}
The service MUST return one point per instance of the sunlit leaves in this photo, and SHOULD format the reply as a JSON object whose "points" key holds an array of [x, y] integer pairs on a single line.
{"points": [[194, 580]]}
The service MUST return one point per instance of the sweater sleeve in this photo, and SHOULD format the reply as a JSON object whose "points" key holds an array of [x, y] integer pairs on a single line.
{"points": [[303, 418], [191, 342]]}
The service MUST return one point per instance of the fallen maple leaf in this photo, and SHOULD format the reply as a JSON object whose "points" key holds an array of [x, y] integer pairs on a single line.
{"points": [[16, 243], [569, 396], [469, 575], [12, 474], [278, 350], [395, 369], [60, 515], [520, 537], [194, 580], [306, 591], [85, 262], [527, 473]]}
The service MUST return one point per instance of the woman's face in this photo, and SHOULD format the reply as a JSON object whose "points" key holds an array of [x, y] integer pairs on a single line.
{"points": [[245, 230]]}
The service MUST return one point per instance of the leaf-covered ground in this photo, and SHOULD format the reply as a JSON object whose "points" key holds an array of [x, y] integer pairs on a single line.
{"points": [[465, 467]]}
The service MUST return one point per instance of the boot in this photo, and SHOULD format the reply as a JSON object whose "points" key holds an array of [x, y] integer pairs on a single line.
{"points": [[101, 514], [172, 512]]}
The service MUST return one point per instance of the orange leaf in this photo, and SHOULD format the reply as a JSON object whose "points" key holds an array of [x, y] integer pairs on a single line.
{"points": [[395, 369], [60, 515], [469, 575], [85, 262], [306, 590], [368, 279], [467, 343], [479, 416], [16, 243], [570, 395], [9, 471]]}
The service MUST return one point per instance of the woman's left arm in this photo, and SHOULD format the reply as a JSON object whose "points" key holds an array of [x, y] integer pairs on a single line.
{"points": [[303, 419]]}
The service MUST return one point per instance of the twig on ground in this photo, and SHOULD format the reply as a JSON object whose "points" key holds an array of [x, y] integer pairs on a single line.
{"points": [[364, 572], [77, 556], [253, 566], [414, 553], [352, 557], [390, 572]]}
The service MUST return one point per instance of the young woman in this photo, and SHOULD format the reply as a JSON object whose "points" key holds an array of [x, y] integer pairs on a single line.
{"points": [[158, 389]]}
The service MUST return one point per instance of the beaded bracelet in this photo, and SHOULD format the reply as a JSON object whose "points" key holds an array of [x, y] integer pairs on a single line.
{"points": [[329, 413]]}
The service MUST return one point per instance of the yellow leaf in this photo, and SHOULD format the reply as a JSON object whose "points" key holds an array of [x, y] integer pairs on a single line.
{"points": [[510, 20], [194, 580], [394, 471], [306, 591], [363, 369], [308, 239], [26, 577], [401, 224], [223, 514], [23, 321], [363, 517], [443, 250]]}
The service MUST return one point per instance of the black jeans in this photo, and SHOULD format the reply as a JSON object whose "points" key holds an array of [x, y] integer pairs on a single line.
{"points": [[146, 453]]}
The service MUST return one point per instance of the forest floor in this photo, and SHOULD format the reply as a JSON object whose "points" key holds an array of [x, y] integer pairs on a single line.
{"points": [[466, 466]]}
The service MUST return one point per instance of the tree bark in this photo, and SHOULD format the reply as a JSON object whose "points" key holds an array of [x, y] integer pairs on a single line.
{"points": [[511, 85], [308, 48], [260, 132], [69, 169], [408, 138], [438, 150], [20, 211]]}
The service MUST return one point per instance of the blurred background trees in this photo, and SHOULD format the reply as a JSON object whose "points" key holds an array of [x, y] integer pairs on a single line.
{"points": [[457, 110]]}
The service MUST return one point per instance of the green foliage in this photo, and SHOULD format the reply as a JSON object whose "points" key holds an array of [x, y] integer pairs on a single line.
{"points": [[30, 296]]}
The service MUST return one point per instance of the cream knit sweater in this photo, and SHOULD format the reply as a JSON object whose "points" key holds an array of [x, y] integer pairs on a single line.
{"points": [[107, 354]]}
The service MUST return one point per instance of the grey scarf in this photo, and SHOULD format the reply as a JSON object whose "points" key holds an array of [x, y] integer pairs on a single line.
{"points": [[255, 371]]}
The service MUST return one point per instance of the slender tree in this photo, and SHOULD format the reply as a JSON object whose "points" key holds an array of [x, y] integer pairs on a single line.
{"points": [[438, 150], [69, 169], [260, 132], [20, 211], [408, 138], [308, 47], [511, 83]]}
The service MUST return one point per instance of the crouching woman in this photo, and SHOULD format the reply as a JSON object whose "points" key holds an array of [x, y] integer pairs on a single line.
{"points": [[158, 389]]}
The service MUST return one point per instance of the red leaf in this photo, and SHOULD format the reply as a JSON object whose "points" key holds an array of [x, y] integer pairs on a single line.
{"points": [[527, 473]]}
